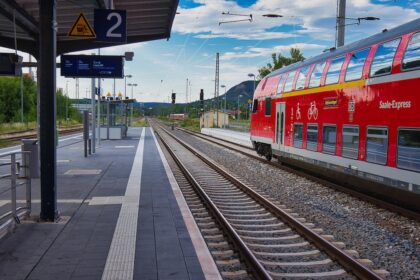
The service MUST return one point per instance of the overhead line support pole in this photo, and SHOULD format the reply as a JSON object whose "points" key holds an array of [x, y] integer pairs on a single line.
{"points": [[47, 113], [341, 22]]}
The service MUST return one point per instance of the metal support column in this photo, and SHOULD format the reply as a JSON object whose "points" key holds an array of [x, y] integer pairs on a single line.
{"points": [[47, 112], [93, 125], [341, 22]]}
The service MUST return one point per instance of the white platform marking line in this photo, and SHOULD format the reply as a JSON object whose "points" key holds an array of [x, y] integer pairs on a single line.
{"points": [[208, 266], [121, 256]]}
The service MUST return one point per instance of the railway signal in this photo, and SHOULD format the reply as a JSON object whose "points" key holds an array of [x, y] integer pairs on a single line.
{"points": [[202, 99]]}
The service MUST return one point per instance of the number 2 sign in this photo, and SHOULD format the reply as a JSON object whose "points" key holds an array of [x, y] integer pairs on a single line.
{"points": [[110, 25]]}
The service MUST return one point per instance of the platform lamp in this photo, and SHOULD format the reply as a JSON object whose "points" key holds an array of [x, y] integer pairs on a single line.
{"points": [[239, 96], [252, 75], [132, 105], [224, 118], [125, 84]]}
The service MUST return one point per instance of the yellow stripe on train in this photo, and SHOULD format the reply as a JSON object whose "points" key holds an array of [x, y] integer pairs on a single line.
{"points": [[357, 83]]}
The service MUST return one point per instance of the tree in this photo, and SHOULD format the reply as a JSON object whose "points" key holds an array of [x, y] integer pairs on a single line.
{"points": [[280, 61], [65, 108], [10, 100]]}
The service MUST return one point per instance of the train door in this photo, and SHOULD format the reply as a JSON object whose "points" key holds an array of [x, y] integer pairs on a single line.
{"points": [[280, 125]]}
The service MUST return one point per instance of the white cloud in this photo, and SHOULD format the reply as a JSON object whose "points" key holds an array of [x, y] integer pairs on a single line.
{"points": [[247, 36], [315, 18], [266, 52]]}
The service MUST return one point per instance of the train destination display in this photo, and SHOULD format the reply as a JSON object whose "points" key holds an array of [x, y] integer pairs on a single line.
{"points": [[88, 66]]}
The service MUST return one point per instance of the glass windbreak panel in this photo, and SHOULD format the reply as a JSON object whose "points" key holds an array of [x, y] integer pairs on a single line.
{"points": [[355, 67], [377, 145], [408, 154], [280, 85], [384, 56], [268, 106], [411, 58], [255, 106], [300, 83], [333, 74], [298, 136], [312, 138], [350, 147], [289, 82], [316, 75], [329, 139]]}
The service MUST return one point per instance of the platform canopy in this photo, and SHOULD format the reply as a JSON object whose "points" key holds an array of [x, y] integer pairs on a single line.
{"points": [[146, 20]]}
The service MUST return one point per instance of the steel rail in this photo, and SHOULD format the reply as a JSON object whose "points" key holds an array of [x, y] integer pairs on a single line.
{"points": [[258, 269], [347, 261], [308, 175], [16, 136]]}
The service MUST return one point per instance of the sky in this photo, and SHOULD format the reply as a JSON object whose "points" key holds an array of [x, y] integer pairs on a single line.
{"points": [[162, 66]]}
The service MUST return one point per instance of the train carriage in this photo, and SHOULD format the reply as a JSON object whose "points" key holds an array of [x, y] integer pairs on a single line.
{"points": [[352, 113]]}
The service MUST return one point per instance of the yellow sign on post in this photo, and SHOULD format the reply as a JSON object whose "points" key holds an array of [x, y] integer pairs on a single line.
{"points": [[82, 28]]}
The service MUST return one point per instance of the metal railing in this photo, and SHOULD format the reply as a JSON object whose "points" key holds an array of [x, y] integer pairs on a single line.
{"points": [[19, 175]]}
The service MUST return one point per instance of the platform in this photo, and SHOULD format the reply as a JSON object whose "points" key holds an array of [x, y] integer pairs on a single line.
{"points": [[242, 138], [122, 217]]}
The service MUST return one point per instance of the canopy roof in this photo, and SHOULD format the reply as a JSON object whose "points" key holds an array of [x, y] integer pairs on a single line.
{"points": [[146, 20]]}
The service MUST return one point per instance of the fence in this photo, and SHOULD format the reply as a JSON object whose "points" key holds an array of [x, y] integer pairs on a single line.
{"points": [[14, 172]]}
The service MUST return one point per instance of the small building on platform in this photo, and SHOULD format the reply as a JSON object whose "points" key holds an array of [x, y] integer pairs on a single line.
{"points": [[214, 118], [178, 117]]}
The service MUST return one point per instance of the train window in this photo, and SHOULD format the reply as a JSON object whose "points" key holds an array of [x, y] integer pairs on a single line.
{"points": [[333, 74], [298, 135], [280, 85], [316, 75], [377, 145], [329, 137], [412, 54], [409, 149], [312, 137], [300, 83], [350, 146], [255, 106], [289, 82], [268, 106], [355, 67], [384, 56]]}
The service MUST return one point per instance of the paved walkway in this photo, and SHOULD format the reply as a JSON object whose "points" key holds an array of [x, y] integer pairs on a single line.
{"points": [[122, 217]]}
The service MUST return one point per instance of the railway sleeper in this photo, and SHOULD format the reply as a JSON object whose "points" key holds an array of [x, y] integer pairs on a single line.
{"points": [[256, 220], [308, 275], [233, 216]]}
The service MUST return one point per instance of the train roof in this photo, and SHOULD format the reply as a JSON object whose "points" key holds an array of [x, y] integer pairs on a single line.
{"points": [[380, 37]]}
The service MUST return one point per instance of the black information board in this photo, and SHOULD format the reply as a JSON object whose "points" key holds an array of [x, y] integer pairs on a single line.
{"points": [[92, 66], [9, 64]]}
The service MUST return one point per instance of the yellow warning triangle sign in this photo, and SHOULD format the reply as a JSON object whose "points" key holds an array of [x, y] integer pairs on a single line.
{"points": [[82, 28]]}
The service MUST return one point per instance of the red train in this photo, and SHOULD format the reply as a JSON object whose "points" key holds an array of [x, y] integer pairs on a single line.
{"points": [[352, 114]]}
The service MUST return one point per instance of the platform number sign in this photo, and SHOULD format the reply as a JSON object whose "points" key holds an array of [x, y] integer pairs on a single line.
{"points": [[111, 25]]}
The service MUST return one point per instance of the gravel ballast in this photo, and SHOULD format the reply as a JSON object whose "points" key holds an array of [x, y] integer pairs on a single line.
{"points": [[390, 241]]}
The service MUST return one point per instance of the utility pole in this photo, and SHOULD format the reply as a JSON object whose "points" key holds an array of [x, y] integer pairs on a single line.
{"points": [[341, 21], [186, 97], [216, 89], [99, 106], [67, 97], [93, 111]]}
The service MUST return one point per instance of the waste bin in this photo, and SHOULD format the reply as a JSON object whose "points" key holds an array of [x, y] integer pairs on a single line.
{"points": [[30, 145]]}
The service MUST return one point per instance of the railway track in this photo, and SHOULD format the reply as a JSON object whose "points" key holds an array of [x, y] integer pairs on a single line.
{"points": [[247, 151], [31, 133], [272, 242]]}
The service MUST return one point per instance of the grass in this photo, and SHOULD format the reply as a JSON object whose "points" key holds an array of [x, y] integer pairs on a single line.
{"points": [[15, 127], [18, 126], [192, 124], [140, 123], [4, 143]]}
